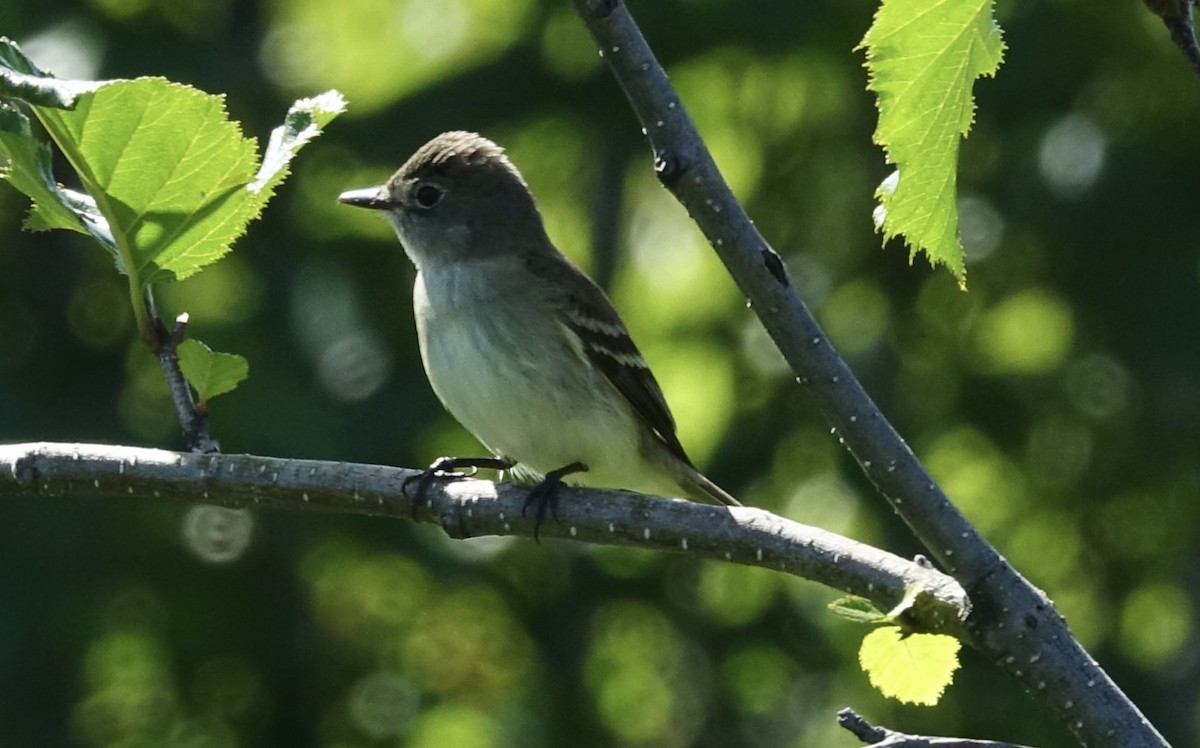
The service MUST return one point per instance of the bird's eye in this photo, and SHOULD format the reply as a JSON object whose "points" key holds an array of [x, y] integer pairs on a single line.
{"points": [[428, 195]]}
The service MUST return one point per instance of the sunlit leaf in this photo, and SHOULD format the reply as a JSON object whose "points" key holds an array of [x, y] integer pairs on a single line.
{"points": [[304, 121], [923, 59], [169, 181], [914, 669], [28, 170], [166, 167], [209, 372]]}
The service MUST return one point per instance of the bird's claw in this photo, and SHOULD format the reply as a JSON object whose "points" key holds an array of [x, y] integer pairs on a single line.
{"points": [[545, 495], [448, 468]]}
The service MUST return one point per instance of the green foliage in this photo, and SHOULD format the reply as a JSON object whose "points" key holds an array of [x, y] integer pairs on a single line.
{"points": [[167, 170], [169, 181], [211, 373], [923, 60], [1080, 466], [304, 121], [29, 170], [906, 666], [913, 668]]}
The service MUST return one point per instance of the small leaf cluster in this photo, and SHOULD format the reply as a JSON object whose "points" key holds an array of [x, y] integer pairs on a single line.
{"points": [[167, 181], [910, 667]]}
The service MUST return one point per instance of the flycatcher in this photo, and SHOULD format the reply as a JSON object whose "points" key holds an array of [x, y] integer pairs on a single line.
{"points": [[519, 345]]}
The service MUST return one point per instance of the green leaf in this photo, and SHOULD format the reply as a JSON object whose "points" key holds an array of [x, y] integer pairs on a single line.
{"points": [[304, 121], [28, 170], [914, 668], [166, 167], [209, 372], [21, 79], [169, 182], [858, 609], [923, 58]]}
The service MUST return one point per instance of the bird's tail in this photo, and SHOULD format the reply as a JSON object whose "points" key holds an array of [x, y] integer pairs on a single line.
{"points": [[701, 487]]}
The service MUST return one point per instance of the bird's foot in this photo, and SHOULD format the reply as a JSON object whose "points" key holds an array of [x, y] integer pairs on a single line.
{"points": [[447, 468], [545, 495]]}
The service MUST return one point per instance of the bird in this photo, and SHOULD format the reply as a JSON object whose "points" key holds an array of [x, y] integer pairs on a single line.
{"points": [[518, 343]]}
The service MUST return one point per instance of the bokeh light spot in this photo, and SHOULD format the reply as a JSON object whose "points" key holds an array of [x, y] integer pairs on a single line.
{"points": [[455, 725], [1156, 623], [1059, 451], [634, 670], [757, 677], [330, 324], [1137, 525], [217, 534], [855, 315], [735, 595], [98, 313], [1072, 155], [382, 704], [466, 643], [1099, 386], [978, 477], [1030, 332], [131, 696], [68, 49], [308, 47], [226, 293], [366, 601], [824, 500], [981, 227]]}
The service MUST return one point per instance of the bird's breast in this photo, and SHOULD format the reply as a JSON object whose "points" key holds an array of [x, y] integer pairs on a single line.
{"points": [[503, 365]]}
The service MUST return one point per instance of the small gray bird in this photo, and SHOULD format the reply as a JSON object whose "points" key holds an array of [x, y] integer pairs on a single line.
{"points": [[519, 345]]}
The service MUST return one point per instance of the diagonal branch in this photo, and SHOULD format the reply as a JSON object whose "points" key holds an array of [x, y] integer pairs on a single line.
{"points": [[1012, 621], [1180, 23], [471, 508]]}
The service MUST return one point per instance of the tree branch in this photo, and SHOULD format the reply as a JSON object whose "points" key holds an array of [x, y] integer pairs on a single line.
{"points": [[192, 420], [1011, 621], [470, 508], [1178, 17], [881, 737]]}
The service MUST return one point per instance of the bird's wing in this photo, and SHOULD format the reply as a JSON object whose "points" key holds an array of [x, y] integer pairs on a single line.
{"points": [[607, 344]]}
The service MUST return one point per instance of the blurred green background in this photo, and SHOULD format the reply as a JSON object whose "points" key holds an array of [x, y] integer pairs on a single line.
{"points": [[1057, 401]]}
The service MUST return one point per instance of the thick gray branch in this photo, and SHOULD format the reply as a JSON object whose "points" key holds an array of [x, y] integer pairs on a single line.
{"points": [[470, 508], [1012, 621]]}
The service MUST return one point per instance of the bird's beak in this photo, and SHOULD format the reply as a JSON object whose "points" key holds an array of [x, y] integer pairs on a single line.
{"points": [[375, 198]]}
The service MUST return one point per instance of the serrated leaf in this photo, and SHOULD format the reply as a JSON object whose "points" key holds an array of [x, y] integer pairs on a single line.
{"points": [[923, 58], [167, 168], [21, 79], [913, 669], [303, 122], [210, 373], [857, 609], [28, 170]]}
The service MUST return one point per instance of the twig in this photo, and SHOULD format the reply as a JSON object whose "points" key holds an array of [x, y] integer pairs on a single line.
{"points": [[1178, 17], [192, 420], [471, 508], [1011, 622], [881, 737]]}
